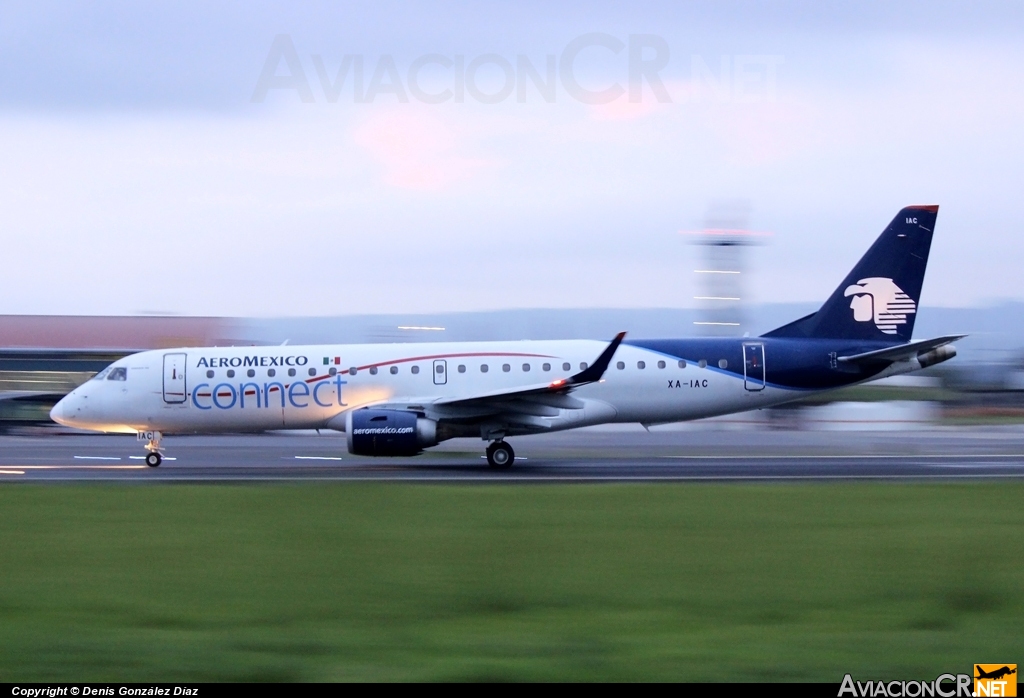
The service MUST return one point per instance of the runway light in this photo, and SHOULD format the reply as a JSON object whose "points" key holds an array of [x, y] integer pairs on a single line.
{"points": [[416, 327], [317, 458], [97, 458], [12, 472]]}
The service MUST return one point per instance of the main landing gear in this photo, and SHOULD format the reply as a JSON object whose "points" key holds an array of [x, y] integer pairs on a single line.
{"points": [[153, 458], [500, 455]]}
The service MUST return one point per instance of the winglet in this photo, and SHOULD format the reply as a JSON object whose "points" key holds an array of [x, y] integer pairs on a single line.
{"points": [[593, 373]]}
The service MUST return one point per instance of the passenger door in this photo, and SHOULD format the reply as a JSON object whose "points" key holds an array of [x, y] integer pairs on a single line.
{"points": [[753, 366], [174, 379]]}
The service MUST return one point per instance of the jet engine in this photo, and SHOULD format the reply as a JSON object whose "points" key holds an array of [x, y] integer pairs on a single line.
{"points": [[373, 432], [936, 356]]}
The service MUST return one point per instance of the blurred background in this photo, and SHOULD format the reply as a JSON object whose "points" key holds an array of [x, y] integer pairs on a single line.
{"points": [[984, 385], [238, 173], [181, 173]]}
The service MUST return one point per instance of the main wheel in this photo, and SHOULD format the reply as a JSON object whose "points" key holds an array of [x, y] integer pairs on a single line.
{"points": [[153, 459], [500, 455]]}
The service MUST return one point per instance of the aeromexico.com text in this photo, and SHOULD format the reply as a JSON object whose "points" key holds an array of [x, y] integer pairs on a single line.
{"points": [[243, 361], [381, 431]]}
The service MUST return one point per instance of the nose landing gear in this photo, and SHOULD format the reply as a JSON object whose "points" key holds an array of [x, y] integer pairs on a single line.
{"points": [[153, 458], [500, 455]]}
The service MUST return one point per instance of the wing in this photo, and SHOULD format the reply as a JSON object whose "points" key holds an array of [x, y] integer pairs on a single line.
{"points": [[514, 410], [561, 386]]}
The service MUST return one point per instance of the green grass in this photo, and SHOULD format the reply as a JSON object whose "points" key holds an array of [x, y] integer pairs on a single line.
{"points": [[390, 582]]}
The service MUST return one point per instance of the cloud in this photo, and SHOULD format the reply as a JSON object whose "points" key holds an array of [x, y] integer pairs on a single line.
{"points": [[622, 109], [418, 149]]}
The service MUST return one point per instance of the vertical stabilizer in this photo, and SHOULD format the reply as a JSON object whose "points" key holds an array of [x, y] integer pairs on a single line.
{"points": [[878, 299]]}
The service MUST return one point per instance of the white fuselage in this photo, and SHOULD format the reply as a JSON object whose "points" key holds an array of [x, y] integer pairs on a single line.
{"points": [[240, 389]]}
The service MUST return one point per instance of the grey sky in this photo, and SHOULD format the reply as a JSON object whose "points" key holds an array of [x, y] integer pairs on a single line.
{"points": [[138, 174]]}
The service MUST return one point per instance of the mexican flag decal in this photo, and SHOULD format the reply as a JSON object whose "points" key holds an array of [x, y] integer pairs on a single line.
{"points": [[328, 360]]}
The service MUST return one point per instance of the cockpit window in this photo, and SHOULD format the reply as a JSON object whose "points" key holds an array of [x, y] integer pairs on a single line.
{"points": [[118, 374], [102, 374]]}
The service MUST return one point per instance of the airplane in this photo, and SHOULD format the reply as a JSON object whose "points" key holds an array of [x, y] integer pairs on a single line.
{"points": [[400, 399], [994, 674]]}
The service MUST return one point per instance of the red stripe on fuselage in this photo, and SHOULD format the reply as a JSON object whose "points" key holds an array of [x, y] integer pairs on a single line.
{"points": [[430, 357], [453, 356]]}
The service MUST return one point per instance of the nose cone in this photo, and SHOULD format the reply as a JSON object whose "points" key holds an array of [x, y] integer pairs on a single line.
{"points": [[57, 413]]}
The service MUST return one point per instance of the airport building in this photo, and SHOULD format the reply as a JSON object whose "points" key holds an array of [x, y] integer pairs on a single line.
{"points": [[42, 358]]}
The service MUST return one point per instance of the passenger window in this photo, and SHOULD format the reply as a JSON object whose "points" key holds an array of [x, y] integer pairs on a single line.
{"points": [[291, 372], [566, 366], [661, 364], [118, 374], [394, 370], [271, 372], [641, 365], [312, 371], [620, 365], [546, 367], [353, 371], [251, 373], [462, 368], [702, 363], [682, 363], [723, 363], [373, 370], [583, 365], [332, 371], [415, 369], [506, 368], [231, 372], [483, 368], [526, 368], [439, 369], [209, 374]]}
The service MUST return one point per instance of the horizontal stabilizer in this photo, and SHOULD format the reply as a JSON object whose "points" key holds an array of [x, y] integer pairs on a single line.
{"points": [[902, 351]]}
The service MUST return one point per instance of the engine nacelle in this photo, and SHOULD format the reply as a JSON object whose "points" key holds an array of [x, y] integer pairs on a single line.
{"points": [[936, 356], [373, 432]]}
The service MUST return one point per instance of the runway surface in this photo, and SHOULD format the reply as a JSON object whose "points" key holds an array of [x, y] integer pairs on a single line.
{"points": [[581, 456]]}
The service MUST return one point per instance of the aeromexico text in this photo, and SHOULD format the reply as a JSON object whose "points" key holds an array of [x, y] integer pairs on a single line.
{"points": [[243, 361], [226, 396]]}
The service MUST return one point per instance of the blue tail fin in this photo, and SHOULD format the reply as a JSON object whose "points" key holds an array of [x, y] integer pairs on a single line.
{"points": [[878, 300]]}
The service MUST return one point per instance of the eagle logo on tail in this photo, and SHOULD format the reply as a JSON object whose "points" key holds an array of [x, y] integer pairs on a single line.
{"points": [[880, 300]]}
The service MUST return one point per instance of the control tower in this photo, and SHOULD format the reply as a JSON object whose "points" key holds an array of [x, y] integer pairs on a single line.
{"points": [[721, 290]]}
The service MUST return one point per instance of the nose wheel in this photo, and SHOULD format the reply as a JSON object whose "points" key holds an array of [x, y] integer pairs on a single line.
{"points": [[153, 458], [500, 455]]}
